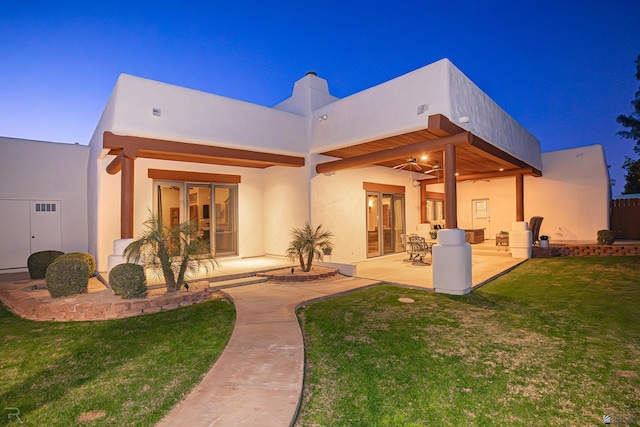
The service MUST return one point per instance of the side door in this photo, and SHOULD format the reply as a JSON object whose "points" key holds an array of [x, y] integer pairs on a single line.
{"points": [[46, 226], [481, 217]]}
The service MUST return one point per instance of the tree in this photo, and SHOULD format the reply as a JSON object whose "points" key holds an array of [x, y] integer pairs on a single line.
{"points": [[308, 244], [632, 123], [172, 250]]}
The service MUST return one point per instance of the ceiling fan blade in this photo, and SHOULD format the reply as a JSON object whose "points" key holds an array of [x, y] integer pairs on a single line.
{"points": [[401, 166]]}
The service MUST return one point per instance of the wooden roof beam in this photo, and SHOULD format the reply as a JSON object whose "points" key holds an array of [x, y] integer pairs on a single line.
{"points": [[393, 153], [148, 147]]}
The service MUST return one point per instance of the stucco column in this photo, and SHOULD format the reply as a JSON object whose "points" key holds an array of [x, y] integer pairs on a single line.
{"points": [[519, 197], [126, 197], [452, 263], [520, 240], [450, 190]]}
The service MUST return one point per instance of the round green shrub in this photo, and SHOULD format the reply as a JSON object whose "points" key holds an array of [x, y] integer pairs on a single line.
{"points": [[606, 237], [67, 277], [38, 262], [128, 280], [88, 259]]}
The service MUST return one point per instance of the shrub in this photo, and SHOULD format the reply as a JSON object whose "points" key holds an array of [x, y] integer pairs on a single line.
{"points": [[128, 280], [38, 262], [88, 259], [606, 237], [67, 277]]}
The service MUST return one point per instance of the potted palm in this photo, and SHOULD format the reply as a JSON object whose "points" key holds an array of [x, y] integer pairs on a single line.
{"points": [[171, 251], [309, 243]]}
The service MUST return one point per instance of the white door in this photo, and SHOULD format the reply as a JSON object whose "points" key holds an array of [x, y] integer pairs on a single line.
{"points": [[15, 245], [45, 225], [30, 226], [480, 216]]}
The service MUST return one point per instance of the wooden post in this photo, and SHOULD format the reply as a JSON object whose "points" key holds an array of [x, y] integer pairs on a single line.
{"points": [[450, 189], [519, 197], [126, 197]]}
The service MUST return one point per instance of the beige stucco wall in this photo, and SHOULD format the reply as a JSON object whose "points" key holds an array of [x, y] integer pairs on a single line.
{"points": [[391, 108], [37, 170], [193, 116], [189, 115], [573, 194], [286, 205], [338, 202]]}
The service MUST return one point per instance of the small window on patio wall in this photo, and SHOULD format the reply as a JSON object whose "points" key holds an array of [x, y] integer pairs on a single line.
{"points": [[435, 210]]}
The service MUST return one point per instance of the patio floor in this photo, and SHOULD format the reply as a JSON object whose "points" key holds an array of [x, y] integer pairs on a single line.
{"points": [[487, 262]]}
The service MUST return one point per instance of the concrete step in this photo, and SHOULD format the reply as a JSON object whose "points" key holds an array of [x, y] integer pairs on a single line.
{"points": [[232, 283]]}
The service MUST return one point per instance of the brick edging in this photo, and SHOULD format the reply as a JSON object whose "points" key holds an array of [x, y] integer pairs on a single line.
{"points": [[20, 303], [298, 277], [585, 250]]}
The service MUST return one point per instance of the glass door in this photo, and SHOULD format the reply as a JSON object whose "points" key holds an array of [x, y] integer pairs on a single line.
{"points": [[385, 223], [398, 221], [199, 203], [215, 222], [373, 238], [226, 219], [168, 201]]}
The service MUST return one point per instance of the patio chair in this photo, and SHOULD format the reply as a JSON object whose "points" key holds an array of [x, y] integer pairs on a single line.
{"points": [[534, 226], [419, 248], [407, 246]]}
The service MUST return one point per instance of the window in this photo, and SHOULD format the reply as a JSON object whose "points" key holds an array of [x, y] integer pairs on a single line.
{"points": [[435, 210]]}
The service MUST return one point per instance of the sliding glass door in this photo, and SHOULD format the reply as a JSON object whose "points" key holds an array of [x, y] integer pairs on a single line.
{"points": [[215, 223], [385, 223]]}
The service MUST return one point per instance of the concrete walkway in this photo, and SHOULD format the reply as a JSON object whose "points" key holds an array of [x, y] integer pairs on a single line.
{"points": [[257, 381]]}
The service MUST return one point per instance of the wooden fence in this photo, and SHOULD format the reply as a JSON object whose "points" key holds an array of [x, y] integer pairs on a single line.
{"points": [[625, 218]]}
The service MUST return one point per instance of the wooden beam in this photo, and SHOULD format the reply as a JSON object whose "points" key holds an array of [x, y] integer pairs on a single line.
{"points": [[450, 189], [497, 174], [392, 153], [440, 125], [383, 188], [182, 151], [115, 165], [170, 175], [494, 151]]}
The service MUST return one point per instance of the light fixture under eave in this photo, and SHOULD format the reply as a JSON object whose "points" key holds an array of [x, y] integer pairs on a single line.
{"points": [[322, 117]]}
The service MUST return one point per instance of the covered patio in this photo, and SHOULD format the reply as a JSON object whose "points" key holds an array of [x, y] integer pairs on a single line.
{"points": [[488, 262]]}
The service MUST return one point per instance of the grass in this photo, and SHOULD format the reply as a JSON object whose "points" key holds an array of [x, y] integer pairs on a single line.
{"points": [[120, 372], [554, 342]]}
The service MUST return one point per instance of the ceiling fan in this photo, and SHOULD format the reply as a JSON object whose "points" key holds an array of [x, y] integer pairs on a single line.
{"points": [[411, 164], [437, 167]]}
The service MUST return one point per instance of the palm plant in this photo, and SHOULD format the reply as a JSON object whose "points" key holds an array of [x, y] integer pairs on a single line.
{"points": [[172, 250], [308, 244]]}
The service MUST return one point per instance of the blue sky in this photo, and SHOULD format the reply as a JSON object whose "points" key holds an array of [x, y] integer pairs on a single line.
{"points": [[563, 69]]}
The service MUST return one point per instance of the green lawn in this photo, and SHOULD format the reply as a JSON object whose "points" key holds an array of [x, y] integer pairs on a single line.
{"points": [[554, 342], [127, 372]]}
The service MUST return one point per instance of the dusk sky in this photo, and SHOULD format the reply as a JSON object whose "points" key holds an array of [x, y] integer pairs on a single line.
{"points": [[563, 69]]}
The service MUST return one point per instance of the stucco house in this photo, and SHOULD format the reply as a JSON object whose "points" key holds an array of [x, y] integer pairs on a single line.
{"points": [[247, 173]]}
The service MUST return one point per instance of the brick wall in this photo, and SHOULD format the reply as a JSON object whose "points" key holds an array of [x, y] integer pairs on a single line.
{"points": [[586, 250]]}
